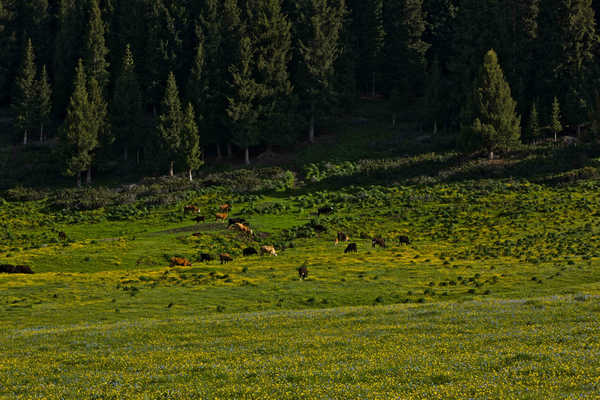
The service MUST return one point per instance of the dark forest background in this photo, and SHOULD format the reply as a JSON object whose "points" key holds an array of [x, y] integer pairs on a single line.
{"points": [[163, 82]]}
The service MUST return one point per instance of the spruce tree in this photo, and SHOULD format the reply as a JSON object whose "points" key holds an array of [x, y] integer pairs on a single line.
{"points": [[533, 126], [496, 122], [96, 52], [270, 32], [98, 122], [198, 86], [78, 136], [555, 117], [244, 109], [24, 105], [170, 124], [126, 107], [44, 102], [319, 51], [190, 142]]}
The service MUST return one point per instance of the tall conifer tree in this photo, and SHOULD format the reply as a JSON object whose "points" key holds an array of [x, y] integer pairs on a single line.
{"points": [[126, 107], [24, 105], [96, 52], [496, 124], [78, 135], [190, 142], [44, 102], [170, 124]]}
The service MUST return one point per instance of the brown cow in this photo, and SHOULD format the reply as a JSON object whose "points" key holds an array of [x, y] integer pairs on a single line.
{"points": [[242, 228], [225, 207], [180, 262], [221, 217], [378, 242], [225, 258], [341, 237], [191, 209], [267, 250]]}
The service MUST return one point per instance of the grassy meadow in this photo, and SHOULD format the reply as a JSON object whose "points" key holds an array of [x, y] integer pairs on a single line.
{"points": [[497, 296]]}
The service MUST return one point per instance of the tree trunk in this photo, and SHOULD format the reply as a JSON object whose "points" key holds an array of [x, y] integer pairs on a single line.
{"points": [[311, 128], [137, 156], [190, 175], [555, 137], [247, 156], [88, 178], [394, 118], [125, 153], [434, 128], [42, 133], [219, 155], [78, 179], [171, 169], [491, 156], [229, 151], [373, 86], [25, 138]]}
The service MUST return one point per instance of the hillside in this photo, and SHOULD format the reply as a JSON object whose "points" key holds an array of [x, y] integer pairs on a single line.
{"points": [[495, 296]]}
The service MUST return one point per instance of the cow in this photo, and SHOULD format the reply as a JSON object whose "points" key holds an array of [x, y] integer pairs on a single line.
{"points": [[324, 210], [242, 228], [221, 217], [62, 235], [199, 219], [15, 269], [351, 248], [303, 272], [205, 257], [225, 207], [403, 239], [225, 258], [180, 262], [249, 251], [341, 237], [191, 209], [232, 221], [267, 250], [319, 228], [378, 242]]}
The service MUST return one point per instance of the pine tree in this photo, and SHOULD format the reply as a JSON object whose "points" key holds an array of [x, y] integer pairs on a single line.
{"points": [[243, 109], [96, 52], [198, 86], [44, 102], [555, 124], [404, 49], [319, 52], [170, 124], [270, 32], [78, 136], [126, 107], [533, 127], [190, 143], [496, 121], [24, 105], [98, 122]]}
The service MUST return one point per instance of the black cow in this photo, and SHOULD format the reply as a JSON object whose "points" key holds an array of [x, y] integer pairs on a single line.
{"points": [[249, 251], [351, 248], [325, 210], [378, 242], [15, 269], [319, 228], [200, 219], [205, 257], [303, 272], [62, 235], [403, 240]]}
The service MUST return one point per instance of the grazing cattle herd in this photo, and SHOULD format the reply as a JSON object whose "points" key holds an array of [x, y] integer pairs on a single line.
{"points": [[241, 225]]}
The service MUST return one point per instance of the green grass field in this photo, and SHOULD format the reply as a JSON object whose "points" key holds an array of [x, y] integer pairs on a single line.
{"points": [[495, 297]]}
